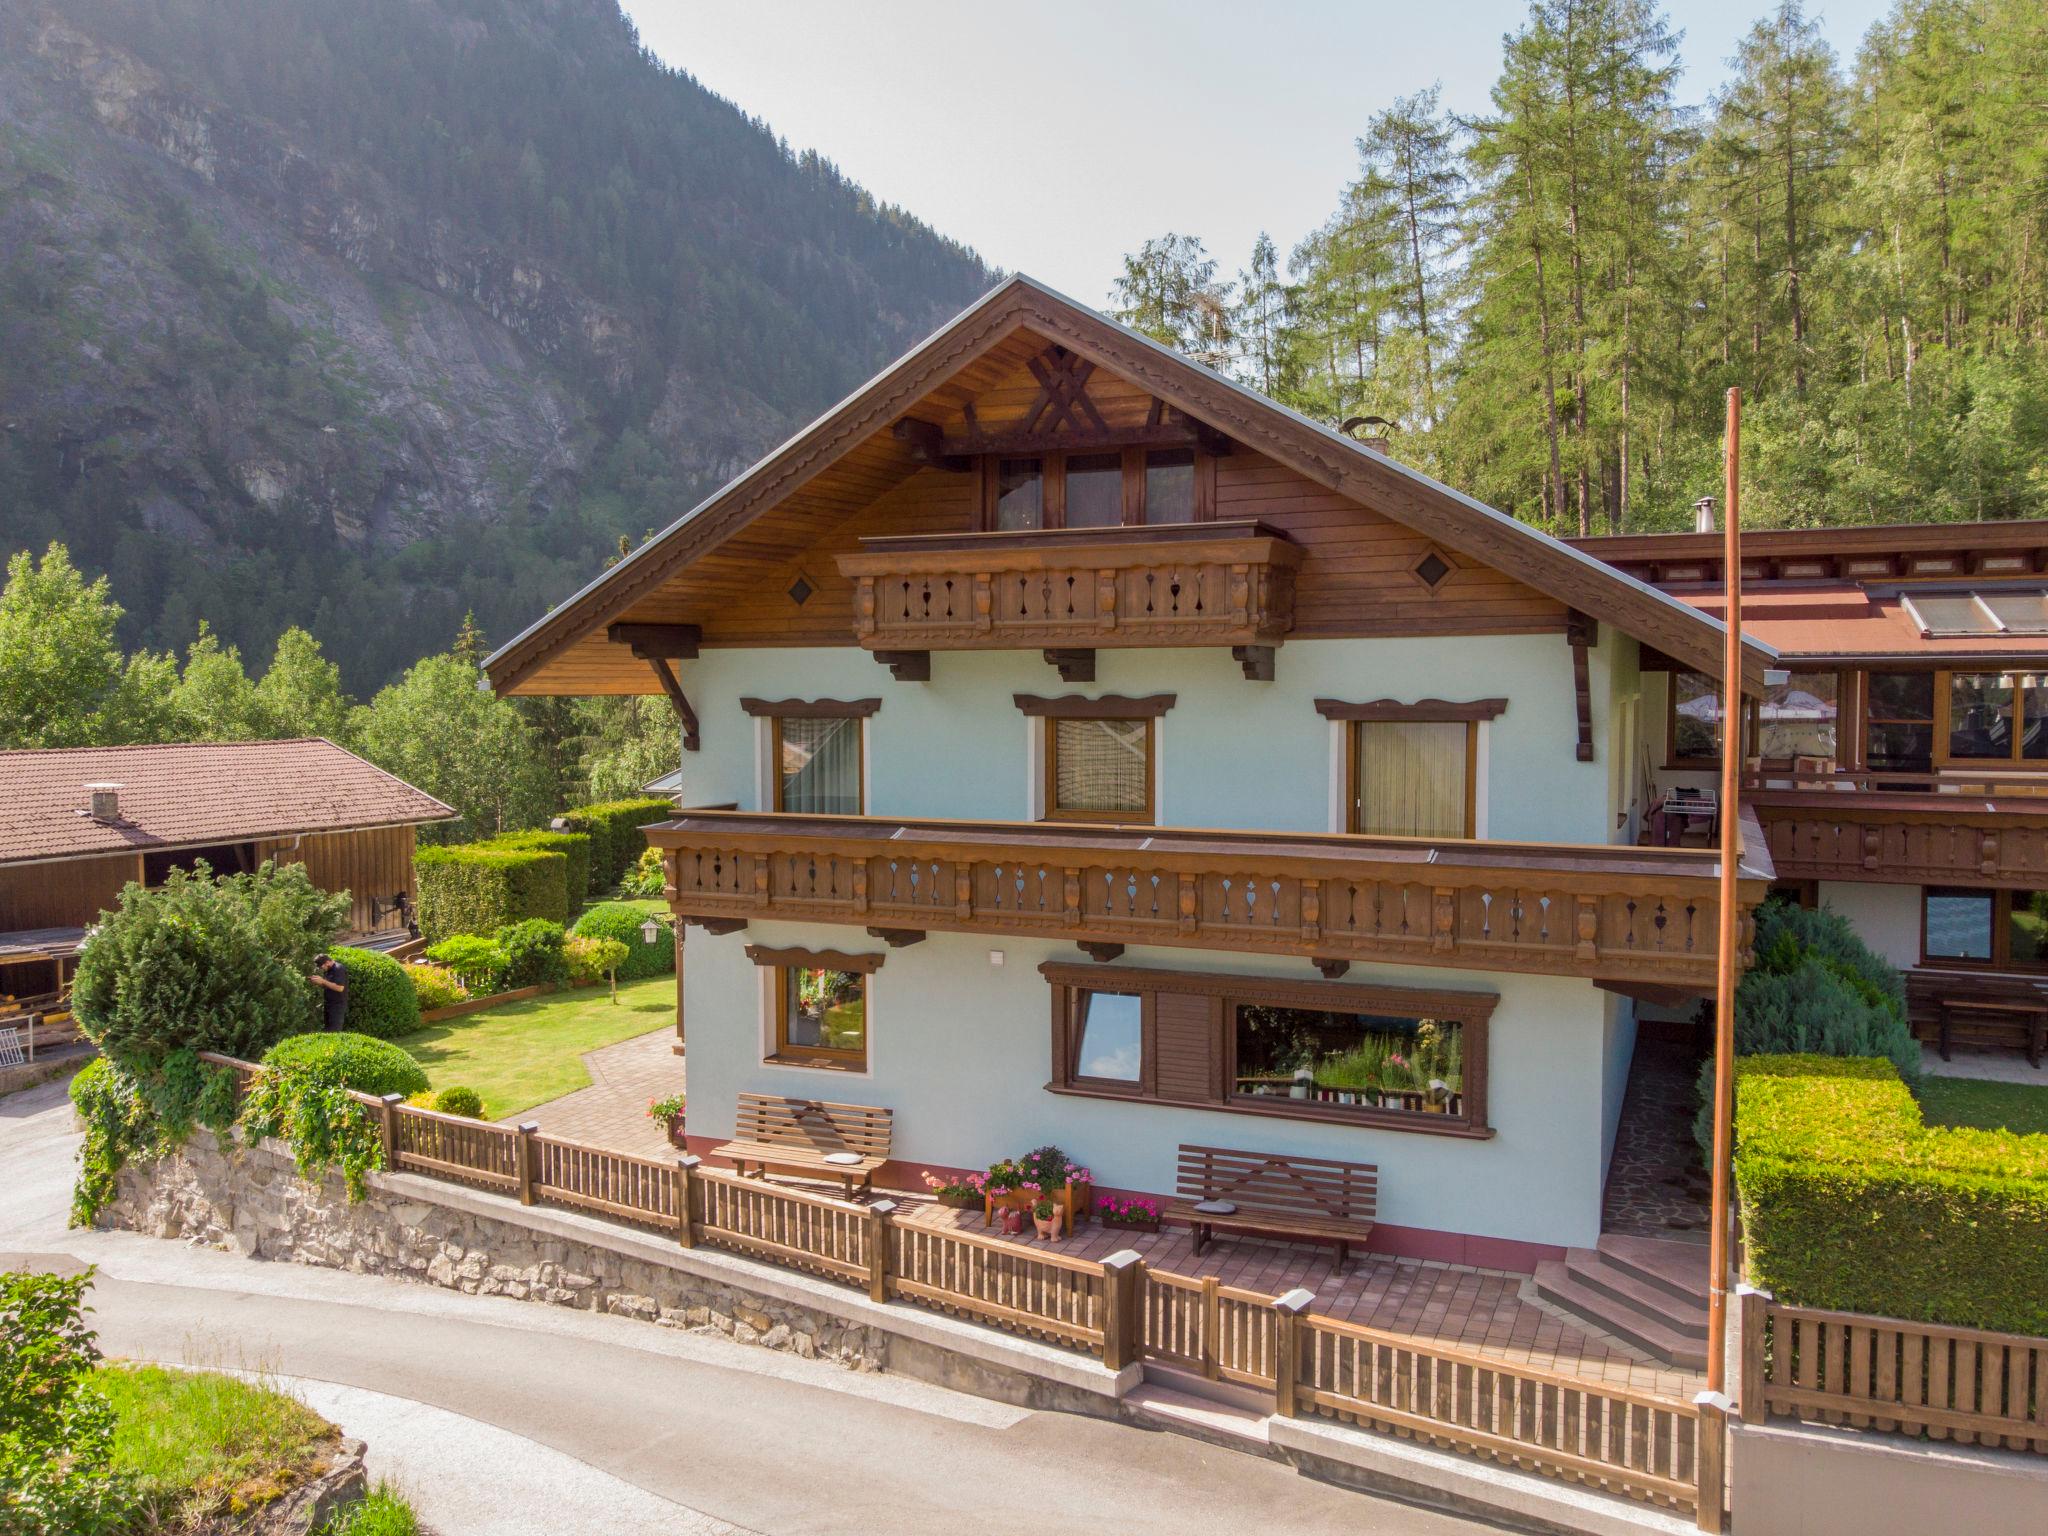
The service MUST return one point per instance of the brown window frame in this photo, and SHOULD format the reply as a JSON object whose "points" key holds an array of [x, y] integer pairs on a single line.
{"points": [[1053, 485], [1118, 707], [2000, 958], [1472, 1011], [1944, 714], [1427, 712], [786, 1053], [775, 711]]}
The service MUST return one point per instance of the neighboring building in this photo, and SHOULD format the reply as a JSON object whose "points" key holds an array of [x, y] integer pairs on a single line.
{"points": [[78, 824], [1122, 760], [1899, 768]]}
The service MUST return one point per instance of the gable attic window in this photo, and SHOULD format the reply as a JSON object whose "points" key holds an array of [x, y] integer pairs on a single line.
{"points": [[1019, 495], [1169, 486], [1104, 488]]}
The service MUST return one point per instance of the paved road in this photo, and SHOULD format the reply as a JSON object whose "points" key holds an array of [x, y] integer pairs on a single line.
{"points": [[502, 1416]]}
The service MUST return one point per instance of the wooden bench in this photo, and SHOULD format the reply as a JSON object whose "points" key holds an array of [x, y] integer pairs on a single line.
{"points": [[1317, 1198], [1978, 1008], [800, 1135]]}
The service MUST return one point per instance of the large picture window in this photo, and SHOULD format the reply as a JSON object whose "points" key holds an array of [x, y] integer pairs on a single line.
{"points": [[819, 1002], [1388, 1056], [816, 754], [1996, 716], [1898, 722], [1797, 719], [2003, 929]]}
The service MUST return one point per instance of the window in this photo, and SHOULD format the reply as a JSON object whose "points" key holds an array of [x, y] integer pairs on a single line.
{"points": [[1998, 928], [1170, 485], [1405, 1058], [1348, 1060], [1095, 490], [815, 753], [1898, 724], [1098, 770], [1996, 716], [1109, 1034], [819, 1003], [1797, 717], [1019, 495], [1413, 778], [1695, 718], [1988, 611]]}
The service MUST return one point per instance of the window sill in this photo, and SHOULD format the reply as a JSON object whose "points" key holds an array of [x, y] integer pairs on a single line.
{"points": [[1383, 1120], [815, 1064]]}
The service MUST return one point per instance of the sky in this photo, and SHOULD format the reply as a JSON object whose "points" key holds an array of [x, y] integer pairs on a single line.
{"points": [[1055, 137]]}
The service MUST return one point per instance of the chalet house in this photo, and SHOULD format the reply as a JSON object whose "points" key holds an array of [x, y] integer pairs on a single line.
{"points": [[77, 825], [1898, 760], [1123, 761]]}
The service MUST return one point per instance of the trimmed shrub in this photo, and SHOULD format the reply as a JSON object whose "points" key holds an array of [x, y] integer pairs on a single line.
{"points": [[614, 831], [615, 920], [355, 1061], [460, 1101], [533, 953], [436, 987], [381, 999], [481, 963], [204, 964], [573, 846], [1850, 1201], [477, 888], [593, 960]]}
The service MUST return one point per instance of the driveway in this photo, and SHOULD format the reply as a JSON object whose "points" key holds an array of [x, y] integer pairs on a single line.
{"points": [[502, 1416]]}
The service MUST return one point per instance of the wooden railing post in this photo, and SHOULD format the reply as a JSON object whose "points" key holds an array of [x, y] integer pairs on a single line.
{"points": [[1752, 1311], [878, 1249], [387, 1128], [1122, 1272], [1287, 1311], [528, 1160], [1710, 1461], [686, 1217]]}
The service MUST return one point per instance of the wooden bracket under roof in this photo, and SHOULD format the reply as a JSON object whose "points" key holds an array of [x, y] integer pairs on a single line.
{"points": [[1075, 666], [658, 645], [1582, 633]]}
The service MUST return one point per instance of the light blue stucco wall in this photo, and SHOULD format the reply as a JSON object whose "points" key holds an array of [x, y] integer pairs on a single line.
{"points": [[1232, 753], [960, 1049]]}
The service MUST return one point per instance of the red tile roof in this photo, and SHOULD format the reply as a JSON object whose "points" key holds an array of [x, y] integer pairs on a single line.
{"points": [[191, 793]]}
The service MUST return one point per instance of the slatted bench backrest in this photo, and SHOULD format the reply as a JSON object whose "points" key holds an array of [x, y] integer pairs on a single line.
{"points": [[1318, 1187], [1927, 990], [807, 1125]]}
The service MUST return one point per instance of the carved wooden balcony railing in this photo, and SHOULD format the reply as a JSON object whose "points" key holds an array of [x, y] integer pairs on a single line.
{"points": [[1184, 584], [1627, 914], [1905, 838]]}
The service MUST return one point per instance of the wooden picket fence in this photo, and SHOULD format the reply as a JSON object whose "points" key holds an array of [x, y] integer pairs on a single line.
{"points": [[1967, 1385], [1118, 1309]]}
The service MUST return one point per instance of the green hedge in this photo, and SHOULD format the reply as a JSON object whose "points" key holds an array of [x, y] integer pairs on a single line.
{"points": [[573, 846], [381, 998], [1850, 1201], [614, 832], [616, 920], [534, 953], [475, 888], [356, 1061]]}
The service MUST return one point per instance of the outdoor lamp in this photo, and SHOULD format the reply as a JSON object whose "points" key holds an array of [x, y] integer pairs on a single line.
{"points": [[649, 931]]}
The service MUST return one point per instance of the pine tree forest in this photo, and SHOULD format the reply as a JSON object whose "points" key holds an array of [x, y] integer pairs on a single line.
{"points": [[1548, 300]]}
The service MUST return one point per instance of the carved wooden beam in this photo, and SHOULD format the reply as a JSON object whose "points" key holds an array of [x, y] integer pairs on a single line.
{"points": [[715, 926], [1101, 954], [1331, 969], [927, 443], [1583, 634], [1258, 661], [897, 938], [907, 666], [1075, 666], [658, 645]]}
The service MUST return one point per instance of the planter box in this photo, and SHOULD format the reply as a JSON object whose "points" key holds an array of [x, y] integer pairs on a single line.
{"points": [[478, 1004], [1149, 1225]]}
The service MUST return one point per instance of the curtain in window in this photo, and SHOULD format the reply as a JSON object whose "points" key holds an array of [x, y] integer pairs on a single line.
{"points": [[1411, 777], [821, 767], [1099, 765]]}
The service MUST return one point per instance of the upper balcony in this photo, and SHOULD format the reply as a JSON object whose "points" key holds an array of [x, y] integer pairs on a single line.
{"points": [[1632, 915], [1223, 584], [1960, 827]]}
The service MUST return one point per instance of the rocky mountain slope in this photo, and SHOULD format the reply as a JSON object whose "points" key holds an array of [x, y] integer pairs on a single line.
{"points": [[359, 316]]}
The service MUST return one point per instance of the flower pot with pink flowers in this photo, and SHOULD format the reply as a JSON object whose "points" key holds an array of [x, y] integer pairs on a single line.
{"points": [[669, 1112], [962, 1192], [1132, 1215]]}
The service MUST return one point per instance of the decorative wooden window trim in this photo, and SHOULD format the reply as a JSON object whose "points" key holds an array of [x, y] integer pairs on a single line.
{"points": [[1191, 992], [1052, 469], [2000, 958], [1431, 569], [1421, 709], [816, 959], [1114, 706], [810, 709], [781, 1050]]}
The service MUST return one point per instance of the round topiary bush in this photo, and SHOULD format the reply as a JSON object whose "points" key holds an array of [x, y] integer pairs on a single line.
{"points": [[355, 1061], [616, 920], [381, 997], [460, 1101], [533, 953]]}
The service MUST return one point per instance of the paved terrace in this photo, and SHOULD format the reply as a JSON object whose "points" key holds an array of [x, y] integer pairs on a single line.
{"points": [[1479, 1309]]}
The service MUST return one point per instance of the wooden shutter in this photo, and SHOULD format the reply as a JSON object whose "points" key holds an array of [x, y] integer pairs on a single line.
{"points": [[1187, 1047]]}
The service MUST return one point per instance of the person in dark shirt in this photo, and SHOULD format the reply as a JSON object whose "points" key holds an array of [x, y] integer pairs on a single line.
{"points": [[331, 974]]}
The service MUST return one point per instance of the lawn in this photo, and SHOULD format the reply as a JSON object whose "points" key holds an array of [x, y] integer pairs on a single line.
{"points": [[521, 1054], [1966, 1101]]}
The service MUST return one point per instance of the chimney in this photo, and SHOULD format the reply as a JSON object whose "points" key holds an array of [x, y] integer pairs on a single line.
{"points": [[106, 803], [1703, 515]]}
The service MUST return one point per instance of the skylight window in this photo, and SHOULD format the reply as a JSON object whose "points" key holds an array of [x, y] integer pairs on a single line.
{"points": [[1997, 611]]}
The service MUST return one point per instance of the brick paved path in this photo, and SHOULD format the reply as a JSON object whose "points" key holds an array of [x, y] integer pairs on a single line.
{"points": [[612, 1111], [1656, 1185]]}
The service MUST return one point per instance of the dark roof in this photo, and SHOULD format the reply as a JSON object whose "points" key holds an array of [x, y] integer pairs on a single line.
{"points": [[191, 793]]}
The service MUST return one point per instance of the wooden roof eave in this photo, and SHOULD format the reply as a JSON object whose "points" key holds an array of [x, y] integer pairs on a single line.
{"points": [[1339, 463]]}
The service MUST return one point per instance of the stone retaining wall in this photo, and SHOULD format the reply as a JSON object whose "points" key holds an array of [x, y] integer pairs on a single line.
{"points": [[252, 1199]]}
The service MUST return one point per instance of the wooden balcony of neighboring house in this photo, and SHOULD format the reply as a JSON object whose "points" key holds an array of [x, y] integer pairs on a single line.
{"points": [[1957, 827], [1220, 583], [1637, 916]]}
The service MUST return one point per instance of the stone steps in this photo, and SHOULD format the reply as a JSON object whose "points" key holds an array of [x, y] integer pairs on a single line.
{"points": [[1649, 1293]]}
